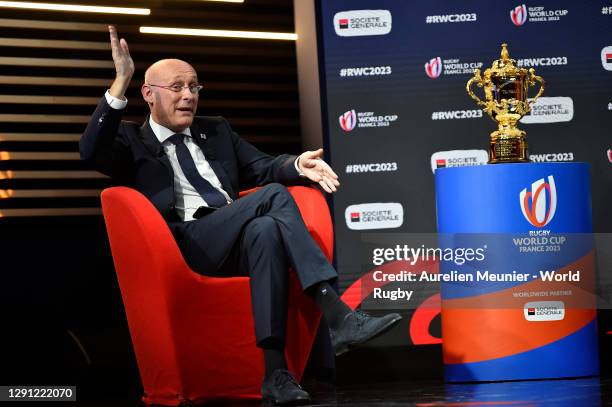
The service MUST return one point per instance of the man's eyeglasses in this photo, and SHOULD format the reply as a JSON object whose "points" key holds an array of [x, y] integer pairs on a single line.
{"points": [[194, 88]]}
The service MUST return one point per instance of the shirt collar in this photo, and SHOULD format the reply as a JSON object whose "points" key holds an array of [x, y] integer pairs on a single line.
{"points": [[163, 133]]}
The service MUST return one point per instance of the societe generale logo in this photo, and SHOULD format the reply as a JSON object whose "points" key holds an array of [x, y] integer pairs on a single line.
{"points": [[377, 215], [433, 68], [606, 58], [549, 109], [609, 154], [355, 23], [348, 120], [540, 311], [458, 158], [539, 204], [518, 15]]}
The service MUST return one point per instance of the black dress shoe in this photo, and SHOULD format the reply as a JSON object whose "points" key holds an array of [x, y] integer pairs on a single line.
{"points": [[359, 327], [281, 388]]}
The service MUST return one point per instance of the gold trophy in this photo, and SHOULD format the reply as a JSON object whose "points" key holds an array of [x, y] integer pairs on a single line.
{"points": [[505, 88]]}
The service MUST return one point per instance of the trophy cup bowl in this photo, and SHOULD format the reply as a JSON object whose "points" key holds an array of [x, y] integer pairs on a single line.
{"points": [[506, 89]]}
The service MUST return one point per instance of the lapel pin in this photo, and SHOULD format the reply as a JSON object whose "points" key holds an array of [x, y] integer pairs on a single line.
{"points": [[203, 136]]}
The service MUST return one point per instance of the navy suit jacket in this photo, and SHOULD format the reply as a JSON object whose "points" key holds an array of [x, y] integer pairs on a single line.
{"points": [[133, 156]]}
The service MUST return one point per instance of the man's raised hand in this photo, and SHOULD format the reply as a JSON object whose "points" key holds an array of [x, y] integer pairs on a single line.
{"points": [[124, 65]]}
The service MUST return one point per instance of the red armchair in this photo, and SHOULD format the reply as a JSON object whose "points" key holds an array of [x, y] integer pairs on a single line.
{"points": [[193, 335]]}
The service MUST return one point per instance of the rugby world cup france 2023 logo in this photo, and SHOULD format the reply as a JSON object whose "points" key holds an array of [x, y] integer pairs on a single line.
{"points": [[433, 68], [539, 204], [348, 120], [518, 15]]}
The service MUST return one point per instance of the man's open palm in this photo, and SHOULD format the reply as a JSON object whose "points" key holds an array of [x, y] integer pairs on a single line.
{"points": [[312, 166], [121, 54]]}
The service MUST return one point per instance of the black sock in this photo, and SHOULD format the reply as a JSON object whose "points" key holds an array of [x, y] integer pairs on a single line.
{"points": [[332, 307], [274, 358]]}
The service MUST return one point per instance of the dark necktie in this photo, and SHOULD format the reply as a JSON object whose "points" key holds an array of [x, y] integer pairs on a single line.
{"points": [[211, 195]]}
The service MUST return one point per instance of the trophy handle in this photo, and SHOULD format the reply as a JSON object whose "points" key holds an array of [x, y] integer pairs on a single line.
{"points": [[477, 79], [533, 78]]}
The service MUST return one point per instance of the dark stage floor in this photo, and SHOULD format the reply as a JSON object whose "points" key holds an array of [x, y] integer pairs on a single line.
{"points": [[575, 392]]}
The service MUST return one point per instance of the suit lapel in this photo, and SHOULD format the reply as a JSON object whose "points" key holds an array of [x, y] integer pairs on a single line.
{"points": [[154, 146], [149, 139], [210, 154]]}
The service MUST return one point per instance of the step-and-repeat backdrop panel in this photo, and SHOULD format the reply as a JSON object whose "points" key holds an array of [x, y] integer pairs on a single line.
{"points": [[395, 109]]}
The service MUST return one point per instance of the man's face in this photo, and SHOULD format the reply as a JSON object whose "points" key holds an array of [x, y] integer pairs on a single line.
{"points": [[174, 110]]}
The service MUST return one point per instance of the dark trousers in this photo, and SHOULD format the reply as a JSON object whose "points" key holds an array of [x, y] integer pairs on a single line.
{"points": [[260, 235]]}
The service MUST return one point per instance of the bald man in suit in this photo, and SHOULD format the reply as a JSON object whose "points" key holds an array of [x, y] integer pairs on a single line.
{"points": [[191, 168]]}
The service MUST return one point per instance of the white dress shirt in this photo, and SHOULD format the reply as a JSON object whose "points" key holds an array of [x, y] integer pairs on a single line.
{"points": [[188, 200]]}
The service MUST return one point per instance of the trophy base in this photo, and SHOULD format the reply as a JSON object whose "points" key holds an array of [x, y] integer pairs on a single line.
{"points": [[505, 148]]}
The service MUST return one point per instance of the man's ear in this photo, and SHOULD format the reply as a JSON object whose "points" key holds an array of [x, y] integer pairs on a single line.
{"points": [[147, 94]]}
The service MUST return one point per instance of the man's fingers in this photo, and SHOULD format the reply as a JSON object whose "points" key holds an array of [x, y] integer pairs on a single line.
{"points": [[324, 186], [323, 166], [113, 37], [334, 181], [330, 184], [124, 46], [327, 183], [329, 171], [315, 177]]}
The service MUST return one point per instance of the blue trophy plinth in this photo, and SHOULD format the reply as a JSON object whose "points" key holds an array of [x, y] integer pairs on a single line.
{"points": [[519, 298]]}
